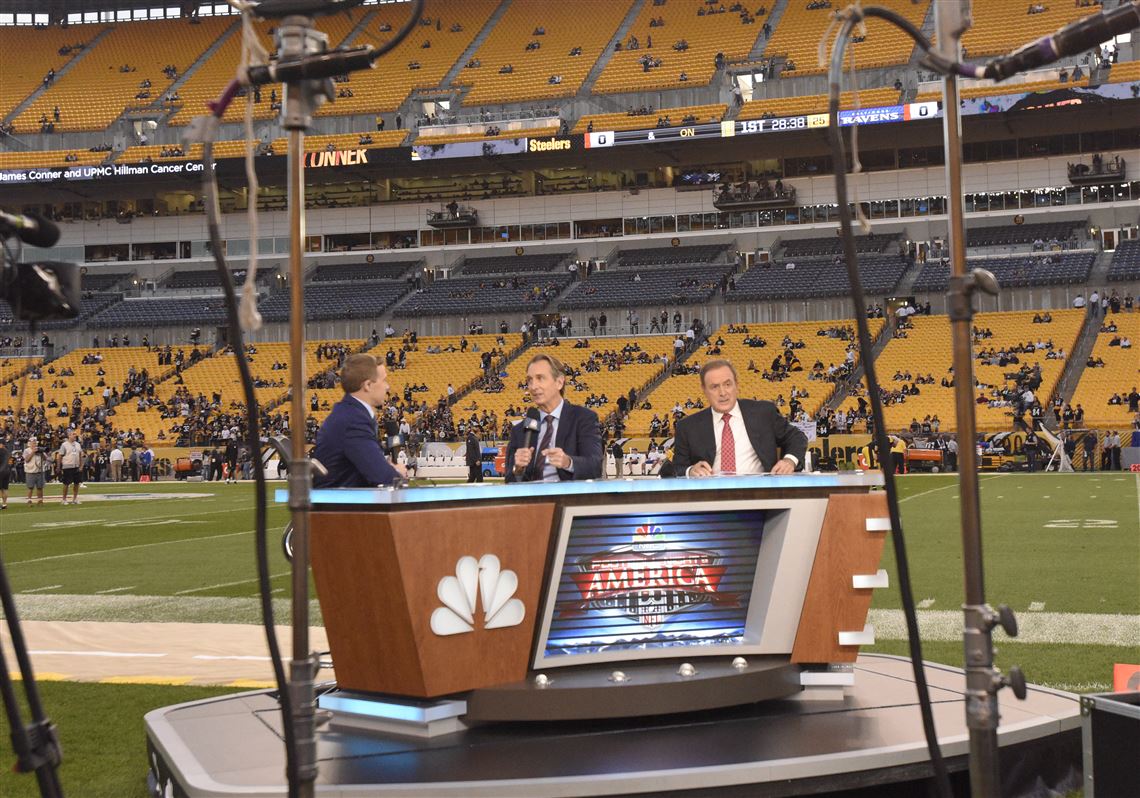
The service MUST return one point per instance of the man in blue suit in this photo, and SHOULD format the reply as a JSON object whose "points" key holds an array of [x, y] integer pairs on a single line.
{"points": [[347, 444], [569, 441]]}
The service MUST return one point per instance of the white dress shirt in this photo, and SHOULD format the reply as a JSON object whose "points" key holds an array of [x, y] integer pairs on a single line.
{"points": [[549, 472], [747, 462]]}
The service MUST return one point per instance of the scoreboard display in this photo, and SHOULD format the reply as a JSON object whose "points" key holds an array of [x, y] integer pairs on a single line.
{"points": [[746, 127]]}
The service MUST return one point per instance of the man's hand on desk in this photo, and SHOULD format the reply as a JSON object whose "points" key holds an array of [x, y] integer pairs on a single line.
{"points": [[522, 459], [783, 466], [701, 469], [557, 458]]}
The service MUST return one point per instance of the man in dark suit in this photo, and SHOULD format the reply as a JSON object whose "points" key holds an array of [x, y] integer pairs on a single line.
{"points": [[347, 443], [569, 442], [763, 442], [474, 458]]}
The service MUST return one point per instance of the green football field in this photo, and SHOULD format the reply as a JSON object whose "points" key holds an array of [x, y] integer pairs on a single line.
{"points": [[1062, 550]]}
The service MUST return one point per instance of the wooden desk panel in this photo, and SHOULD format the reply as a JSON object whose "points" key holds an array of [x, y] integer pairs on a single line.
{"points": [[377, 575]]}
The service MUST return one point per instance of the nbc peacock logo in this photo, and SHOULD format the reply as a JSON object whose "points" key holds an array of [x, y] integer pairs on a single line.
{"points": [[483, 582]]}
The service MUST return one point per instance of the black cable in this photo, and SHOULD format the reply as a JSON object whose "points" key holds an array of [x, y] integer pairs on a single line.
{"points": [[882, 443], [253, 441]]}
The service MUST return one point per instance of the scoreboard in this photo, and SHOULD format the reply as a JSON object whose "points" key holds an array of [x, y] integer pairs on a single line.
{"points": [[746, 127]]}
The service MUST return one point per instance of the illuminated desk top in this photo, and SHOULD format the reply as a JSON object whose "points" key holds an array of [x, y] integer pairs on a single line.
{"points": [[488, 491]]}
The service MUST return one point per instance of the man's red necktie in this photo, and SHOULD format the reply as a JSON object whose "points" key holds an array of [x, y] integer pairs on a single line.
{"points": [[727, 448]]}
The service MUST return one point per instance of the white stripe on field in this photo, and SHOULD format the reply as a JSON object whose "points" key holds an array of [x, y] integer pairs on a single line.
{"points": [[45, 587], [113, 590], [1038, 627], [131, 654], [129, 548], [101, 521], [225, 584], [953, 484]]}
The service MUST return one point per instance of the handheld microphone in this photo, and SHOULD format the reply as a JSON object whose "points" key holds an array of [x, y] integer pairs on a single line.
{"points": [[531, 422], [1074, 38], [32, 229]]}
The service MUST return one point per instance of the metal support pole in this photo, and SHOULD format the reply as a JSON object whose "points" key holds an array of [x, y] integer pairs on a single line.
{"points": [[952, 19], [296, 37]]}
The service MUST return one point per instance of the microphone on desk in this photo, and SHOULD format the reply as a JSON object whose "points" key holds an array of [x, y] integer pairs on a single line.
{"points": [[531, 423]]}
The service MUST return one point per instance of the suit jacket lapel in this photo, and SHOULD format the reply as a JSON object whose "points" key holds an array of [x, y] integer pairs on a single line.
{"points": [[706, 440], [563, 427]]}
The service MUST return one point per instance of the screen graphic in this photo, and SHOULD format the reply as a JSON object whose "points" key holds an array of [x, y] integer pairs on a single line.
{"points": [[644, 582]]}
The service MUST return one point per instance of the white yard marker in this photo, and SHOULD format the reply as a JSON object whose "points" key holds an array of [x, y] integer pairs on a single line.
{"points": [[1036, 606], [125, 654], [225, 584], [45, 587], [926, 603], [129, 548], [113, 590]]}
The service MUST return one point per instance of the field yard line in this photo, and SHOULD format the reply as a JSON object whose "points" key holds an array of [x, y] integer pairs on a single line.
{"points": [[1038, 627], [130, 654], [112, 590], [129, 548], [953, 484], [45, 587], [225, 584], [102, 520]]}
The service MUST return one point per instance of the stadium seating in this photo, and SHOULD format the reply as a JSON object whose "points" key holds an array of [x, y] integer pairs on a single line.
{"points": [[343, 272], [513, 264], [679, 285], [208, 278], [1047, 268], [926, 350], [669, 256], [833, 245], [565, 29], [1011, 234], [677, 389], [116, 363], [161, 312], [219, 374], [104, 281], [1124, 72], [438, 370], [816, 278], [89, 305], [701, 114], [97, 90], [798, 34], [472, 296], [1125, 262], [325, 301], [385, 88], [29, 158], [816, 103], [1003, 25], [1119, 375], [705, 35], [26, 55], [10, 368], [610, 383]]}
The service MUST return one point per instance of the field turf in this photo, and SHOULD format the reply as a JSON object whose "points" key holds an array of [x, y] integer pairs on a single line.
{"points": [[1062, 550]]}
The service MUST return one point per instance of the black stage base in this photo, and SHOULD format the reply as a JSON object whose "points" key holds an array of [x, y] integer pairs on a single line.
{"points": [[867, 741]]}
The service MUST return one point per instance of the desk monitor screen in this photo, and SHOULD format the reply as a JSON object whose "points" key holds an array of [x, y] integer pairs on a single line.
{"points": [[651, 585]]}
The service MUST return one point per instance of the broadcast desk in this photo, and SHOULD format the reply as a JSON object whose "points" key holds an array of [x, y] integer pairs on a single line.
{"points": [[505, 640]]}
